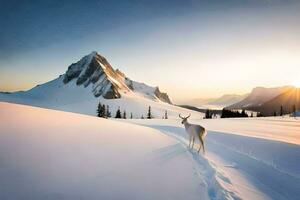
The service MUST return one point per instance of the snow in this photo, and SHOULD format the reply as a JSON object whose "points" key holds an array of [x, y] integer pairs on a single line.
{"points": [[79, 99], [86, 83], [250, 163], [283, 129], [142, 89], [47, 154]]}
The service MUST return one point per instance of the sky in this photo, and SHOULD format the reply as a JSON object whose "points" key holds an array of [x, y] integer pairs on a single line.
{"points": [[189, 48]]}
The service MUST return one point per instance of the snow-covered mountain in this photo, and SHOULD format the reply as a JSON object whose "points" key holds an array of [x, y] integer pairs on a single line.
{"points": [[92, 80], [95, 70], [258, 96]]}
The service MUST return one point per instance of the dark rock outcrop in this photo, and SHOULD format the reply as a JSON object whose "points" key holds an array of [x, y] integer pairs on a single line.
{"points": [[162, 96], [95, 70]]}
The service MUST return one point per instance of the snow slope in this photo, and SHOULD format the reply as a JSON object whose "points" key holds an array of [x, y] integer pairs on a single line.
{"points": [[92, 80], [250, 157], [79, 99], [284, 129], [47, 154]]}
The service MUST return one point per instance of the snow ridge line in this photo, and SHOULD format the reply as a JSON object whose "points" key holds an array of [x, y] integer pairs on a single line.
{"points": [[204, 168]]}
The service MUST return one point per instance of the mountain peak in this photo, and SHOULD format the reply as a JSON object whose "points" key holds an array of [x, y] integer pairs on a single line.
{"points": [[93, 70], [93, 53]]}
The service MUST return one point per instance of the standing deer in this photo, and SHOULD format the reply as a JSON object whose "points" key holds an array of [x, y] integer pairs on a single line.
{"points": [[194, 131]]}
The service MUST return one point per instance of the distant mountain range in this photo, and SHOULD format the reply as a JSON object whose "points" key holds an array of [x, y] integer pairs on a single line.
{"points": [[269, 100], [92, 80], [258, 96], [227, 99], [223, 101]]}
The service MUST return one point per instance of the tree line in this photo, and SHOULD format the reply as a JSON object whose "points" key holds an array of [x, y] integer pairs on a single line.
{"points": [[232, 114], [288, 111], [226, 114], [104, 112]]}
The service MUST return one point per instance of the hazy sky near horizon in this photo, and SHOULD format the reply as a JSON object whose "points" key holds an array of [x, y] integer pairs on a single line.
{"points": [[191, 49]]}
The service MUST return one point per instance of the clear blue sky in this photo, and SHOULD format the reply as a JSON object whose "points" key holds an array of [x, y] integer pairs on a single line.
{"points": [[190, 48]]}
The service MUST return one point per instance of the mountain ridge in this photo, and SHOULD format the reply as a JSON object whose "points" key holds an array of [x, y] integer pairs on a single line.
{"points": [[92, 80], [258, 96], [269, 101], [289, 101], [95, 69]]}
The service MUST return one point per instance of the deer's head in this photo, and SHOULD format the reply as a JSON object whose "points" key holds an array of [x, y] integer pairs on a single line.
{"points": [[184, 119]]}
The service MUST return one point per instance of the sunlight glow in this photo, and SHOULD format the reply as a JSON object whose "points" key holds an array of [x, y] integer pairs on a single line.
{"points": [[296, 83]]}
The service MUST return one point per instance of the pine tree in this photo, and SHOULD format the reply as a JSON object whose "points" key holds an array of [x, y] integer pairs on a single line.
{"points": [[207, 114], [281, 110], [251, 114], [118, 113], [294, 110], [104, 111], [149, 115], [244, 114], [275, 114], [166, 114], [101, 110], [131, 115], [142, 117], [260, 114], [108, 113], [124, 115]]}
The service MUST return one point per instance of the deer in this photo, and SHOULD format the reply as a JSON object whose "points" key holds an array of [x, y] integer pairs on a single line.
{"points": [[194, 131]]}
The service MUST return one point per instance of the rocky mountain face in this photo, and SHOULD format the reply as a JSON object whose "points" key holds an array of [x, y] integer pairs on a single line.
{"points": [[95, 70], [90, 81]]}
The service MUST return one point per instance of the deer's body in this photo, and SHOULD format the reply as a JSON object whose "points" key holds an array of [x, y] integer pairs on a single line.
{"points": [[194, 131]]}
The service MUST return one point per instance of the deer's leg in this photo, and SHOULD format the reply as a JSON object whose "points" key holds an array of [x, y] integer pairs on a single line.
{"points": [[202, 144], [190, 140], [193, 142]]}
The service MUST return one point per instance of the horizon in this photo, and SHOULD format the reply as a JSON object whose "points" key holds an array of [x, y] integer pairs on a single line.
{"points": [[189, 49], [182, 101], [150, 99]]}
